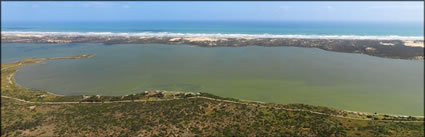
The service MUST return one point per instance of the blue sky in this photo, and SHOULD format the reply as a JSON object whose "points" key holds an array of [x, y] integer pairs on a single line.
{"points": [[254, 11]]}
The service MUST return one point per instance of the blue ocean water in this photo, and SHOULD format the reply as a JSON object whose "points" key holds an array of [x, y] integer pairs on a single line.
{"points": [[382, 29]]}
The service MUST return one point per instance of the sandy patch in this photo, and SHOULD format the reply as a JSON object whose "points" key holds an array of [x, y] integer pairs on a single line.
{"points": [[202, 39], [145, 37], [59, 41], [247, 38], [418, 57], [28, 35], [45, 131], [412, 43], [175, 39], [386, 44], [31, 107], [9, 79], [370, 49]]}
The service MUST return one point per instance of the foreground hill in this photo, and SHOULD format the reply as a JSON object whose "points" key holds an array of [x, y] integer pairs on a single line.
{"points": [[26, 112]]}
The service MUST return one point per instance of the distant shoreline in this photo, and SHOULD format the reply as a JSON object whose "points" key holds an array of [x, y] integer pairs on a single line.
{"points": [[387, 48], [220, 35]]}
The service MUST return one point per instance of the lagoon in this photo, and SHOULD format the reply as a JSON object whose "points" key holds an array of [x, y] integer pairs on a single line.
{"points": [[269, 74]]}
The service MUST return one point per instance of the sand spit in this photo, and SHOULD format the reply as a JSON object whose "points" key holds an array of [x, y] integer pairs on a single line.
{"points": [[397, 49]]}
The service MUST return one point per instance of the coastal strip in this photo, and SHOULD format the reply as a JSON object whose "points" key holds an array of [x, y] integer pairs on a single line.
{"points": [[412, 49], [340, 115]]}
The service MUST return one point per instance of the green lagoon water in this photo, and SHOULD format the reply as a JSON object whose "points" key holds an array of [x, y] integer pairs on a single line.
{"points": [[270, 74]]}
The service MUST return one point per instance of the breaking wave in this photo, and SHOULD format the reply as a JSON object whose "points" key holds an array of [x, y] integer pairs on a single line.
{"points": [[220, 35]]}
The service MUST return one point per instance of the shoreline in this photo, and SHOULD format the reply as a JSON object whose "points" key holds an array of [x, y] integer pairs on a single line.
{"points": [[216, 35], [9, 85], [395, 49]]}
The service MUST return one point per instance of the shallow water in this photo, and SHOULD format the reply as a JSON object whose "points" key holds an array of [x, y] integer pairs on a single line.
{"points": [[270, 74]]}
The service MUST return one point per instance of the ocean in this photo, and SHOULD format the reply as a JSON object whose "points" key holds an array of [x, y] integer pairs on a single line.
{"points": [[347, 30]]}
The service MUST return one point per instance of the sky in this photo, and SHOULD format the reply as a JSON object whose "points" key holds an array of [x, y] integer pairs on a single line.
{"points": [[206, 11]]}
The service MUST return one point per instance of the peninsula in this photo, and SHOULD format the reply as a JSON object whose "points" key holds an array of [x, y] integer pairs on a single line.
{"points": [[396, 49]]}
